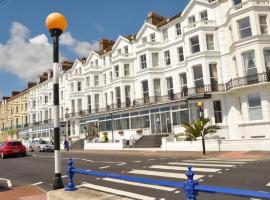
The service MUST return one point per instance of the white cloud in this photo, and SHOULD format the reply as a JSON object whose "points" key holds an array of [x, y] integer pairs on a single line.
{"points": [[27, 57], [80, 48]]}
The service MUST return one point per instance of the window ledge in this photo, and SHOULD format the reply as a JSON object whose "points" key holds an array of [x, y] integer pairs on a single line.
{"points": [[255, 122]]}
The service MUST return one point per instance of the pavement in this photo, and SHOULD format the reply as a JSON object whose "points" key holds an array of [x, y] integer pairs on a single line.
{"points": [[27, 192], [31, 192]]}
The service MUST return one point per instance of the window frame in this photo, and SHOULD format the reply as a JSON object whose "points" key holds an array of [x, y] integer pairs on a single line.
{"points": [[243, 29]]}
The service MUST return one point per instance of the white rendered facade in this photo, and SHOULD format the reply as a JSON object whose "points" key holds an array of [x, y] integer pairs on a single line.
{"points": [[214, 51]]}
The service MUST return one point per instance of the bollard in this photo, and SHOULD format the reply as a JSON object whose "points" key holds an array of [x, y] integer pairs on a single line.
{"points": [[190, 192], [70, 185]]}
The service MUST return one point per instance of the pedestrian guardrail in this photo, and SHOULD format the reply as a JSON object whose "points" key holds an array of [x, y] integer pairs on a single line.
{"points": [[190, 186]]}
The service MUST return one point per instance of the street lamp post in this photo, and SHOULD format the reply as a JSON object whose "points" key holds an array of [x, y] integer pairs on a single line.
{"points": [[56, 24], [200, 105], [67, 123]]}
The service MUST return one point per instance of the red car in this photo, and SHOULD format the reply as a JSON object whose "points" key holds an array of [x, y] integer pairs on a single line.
{"points": [[12, 148]]}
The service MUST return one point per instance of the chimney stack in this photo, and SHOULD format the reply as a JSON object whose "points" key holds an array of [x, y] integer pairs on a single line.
{"points": [[104, 44], [14, 93], [154, 18], [30, 85]]}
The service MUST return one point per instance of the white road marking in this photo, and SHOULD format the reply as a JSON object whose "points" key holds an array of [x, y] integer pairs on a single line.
{"points": [[184, 168], [200, 164], [101, 161], [38, 183], [243, 160], [104, 167], [210, 176], [118, 192], [64, 176], [121, 164], [177, 192], [8, 181], [151, 159], [140, 184], [212, 161], [268, 184], [162, 174], [137, 161]]}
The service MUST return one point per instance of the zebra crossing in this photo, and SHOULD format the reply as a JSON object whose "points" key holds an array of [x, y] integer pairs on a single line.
{"points": [[166, 171]]}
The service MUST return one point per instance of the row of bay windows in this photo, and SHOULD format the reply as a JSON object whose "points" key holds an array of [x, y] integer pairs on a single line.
{"points": [[194, 48], [244, 26], [244, 29], [248, 59]]}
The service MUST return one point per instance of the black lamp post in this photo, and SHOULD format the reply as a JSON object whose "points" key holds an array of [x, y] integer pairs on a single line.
{"points": [[56, 24], [200, 105]]}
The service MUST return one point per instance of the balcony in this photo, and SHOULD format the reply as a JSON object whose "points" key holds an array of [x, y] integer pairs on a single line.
{"points": [[248, 80], [247, 4], [202, 23], [185, 93]]}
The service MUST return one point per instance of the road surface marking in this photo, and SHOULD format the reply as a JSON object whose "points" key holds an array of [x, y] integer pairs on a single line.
{"points": [[140, 184], [162, 174], [268, 184], [240, 160], [210, 176], [137, 161], [151, 159], [184, 168], [212, 161], [177, 192], [38, 183], [104, 167], [123, 163], [8, 181], [200, 164], [64, 176], [118, 192]]}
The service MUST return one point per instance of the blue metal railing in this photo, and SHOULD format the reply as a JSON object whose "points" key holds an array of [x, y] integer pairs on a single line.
{"points": [[190, 186]]}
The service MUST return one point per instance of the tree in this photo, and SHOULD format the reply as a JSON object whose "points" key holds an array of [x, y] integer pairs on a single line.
{"points": [[198, 128]]}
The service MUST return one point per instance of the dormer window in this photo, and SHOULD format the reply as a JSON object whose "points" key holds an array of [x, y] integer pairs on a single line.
{"points": [[126, 49], [165, 34], [118, 51], [96, 62], [204, 15], [153, 37], [144, 40], [178, 28], [191, 19]]}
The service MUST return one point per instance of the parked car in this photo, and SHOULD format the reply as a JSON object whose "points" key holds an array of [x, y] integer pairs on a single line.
{"points": [[42, 145], [12, 148]]}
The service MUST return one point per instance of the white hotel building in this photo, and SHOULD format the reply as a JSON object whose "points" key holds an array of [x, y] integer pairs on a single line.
{"points": [[215, 51]]}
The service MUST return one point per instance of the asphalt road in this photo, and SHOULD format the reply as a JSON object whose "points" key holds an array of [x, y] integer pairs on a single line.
{"points": [[38, 169]]}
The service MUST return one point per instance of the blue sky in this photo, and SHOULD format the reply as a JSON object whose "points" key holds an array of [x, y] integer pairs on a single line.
{"points": [[25, 46]]}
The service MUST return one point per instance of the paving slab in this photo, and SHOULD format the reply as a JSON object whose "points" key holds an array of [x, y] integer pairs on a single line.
{"points": [[82, 194]]}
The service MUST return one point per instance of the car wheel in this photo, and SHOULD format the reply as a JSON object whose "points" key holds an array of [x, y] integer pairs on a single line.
{"points": [[3, 156], [24, 155]]}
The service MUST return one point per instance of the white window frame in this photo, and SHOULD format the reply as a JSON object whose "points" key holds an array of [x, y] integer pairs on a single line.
{"points": [[143, 61], [257, 108], [195, 44], [210, 42], [96, 81], [167, 57], [126, 70], [165, 35], [180, 52], [178, 29], [202, 17], [245, 28], [263, 27]]}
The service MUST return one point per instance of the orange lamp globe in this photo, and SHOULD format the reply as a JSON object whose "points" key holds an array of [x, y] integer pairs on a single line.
{"points": [[56, 21], [200, 104]]}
